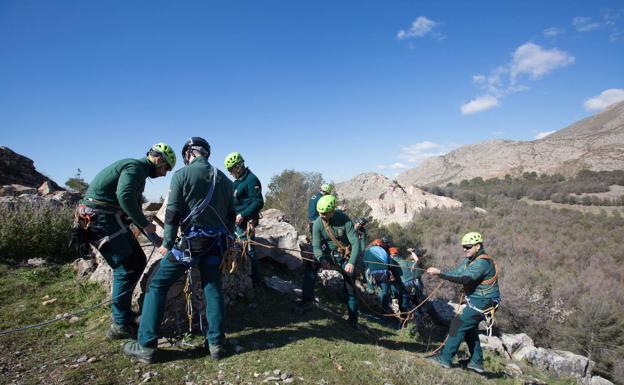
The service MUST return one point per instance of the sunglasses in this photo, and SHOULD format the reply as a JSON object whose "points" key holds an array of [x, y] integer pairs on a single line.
{"points": [[467, 247]]}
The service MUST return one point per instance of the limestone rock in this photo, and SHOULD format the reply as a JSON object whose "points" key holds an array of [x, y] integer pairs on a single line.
{"points": [[281, 236], [152, 206], [561, 363], [597, 380], [493, 343], [515, 342], [389, 200], [83, 267], [46, 188]]}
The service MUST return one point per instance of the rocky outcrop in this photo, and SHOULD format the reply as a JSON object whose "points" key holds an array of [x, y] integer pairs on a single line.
{"points": [[389, 200], [20, 170], [13, 194], [595, 143], [520, 347]]}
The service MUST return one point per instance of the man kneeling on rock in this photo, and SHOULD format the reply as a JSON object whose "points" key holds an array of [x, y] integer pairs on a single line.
{"points": [[200, 204]]}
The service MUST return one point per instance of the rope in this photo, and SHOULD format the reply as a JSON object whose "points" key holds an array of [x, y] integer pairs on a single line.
{"points": [[188, 292], [78, 312], [397, 315]]}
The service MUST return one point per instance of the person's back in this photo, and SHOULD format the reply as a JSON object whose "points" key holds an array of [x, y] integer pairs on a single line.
{"points": [[189, 187]]}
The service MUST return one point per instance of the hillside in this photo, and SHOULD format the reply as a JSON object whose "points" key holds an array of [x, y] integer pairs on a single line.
{"points": [[595, 143], [389, 200]]}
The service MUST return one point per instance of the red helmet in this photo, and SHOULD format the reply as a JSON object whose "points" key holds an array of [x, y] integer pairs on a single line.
{"points": [[394, 250], [378, 242]]}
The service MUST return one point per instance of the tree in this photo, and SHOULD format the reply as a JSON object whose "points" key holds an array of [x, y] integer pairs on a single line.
{"points": [[77, 183], [290, 192]]}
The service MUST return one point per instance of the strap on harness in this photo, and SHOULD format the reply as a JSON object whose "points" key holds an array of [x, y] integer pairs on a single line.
{"points": [[488, 313], [342, 249]]}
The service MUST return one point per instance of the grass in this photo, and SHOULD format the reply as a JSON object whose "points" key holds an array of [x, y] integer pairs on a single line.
{"points": [[609, 210], [317, 348]]}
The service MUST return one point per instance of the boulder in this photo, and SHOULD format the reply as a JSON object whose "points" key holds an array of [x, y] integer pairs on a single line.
{"points": [[597, 380], [152, 206], [494, 344], [560, 363], [281, 239], [7, 191], [514, 342], [46, 188], [175, 321], [84, 267]]}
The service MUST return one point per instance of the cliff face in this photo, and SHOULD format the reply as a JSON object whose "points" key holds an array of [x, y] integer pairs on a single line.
{"points": [[20, 170], [389, 200], [595, 143]]}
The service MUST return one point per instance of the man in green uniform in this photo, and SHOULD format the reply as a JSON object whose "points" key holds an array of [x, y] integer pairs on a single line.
{"points": [[115, 196], [326, 189], [343, 247], [479, 276], [206, 232], [248, 202]]}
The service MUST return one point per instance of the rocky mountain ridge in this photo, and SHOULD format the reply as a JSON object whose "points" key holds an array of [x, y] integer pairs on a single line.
{"points": [[389, 200], [594, 143]]}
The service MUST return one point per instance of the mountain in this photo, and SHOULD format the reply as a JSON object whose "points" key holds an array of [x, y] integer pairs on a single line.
{"points": [[390, 201], [594, 143]]}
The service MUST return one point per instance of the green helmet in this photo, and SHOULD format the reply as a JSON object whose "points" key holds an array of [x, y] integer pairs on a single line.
{"points": [[166, 152], [232, 159], [472, 238], [327, 188], [326, 204]]}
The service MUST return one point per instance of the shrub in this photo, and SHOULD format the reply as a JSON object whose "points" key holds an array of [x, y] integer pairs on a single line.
{"points": [[35, 230]]}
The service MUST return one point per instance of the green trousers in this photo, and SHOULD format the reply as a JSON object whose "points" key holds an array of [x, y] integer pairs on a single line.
{"points": [[465, 327], [350, 295], [125, 256], [154, 304]]}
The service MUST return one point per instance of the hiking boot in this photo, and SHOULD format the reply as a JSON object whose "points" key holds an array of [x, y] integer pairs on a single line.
{"points": [[141, 353], [217, 352], [302, 307], [121, 332], [475, 367], [438, 360]]}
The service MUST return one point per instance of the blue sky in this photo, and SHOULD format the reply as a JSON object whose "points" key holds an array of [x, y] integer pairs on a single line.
{"points": [[338, 87]]}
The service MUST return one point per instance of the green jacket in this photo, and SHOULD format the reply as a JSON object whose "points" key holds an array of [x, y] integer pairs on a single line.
{"points": [[312, 213], [248, 199], [407, 274], [471, 273], [121, 184], [189, 187], [343, 230]]}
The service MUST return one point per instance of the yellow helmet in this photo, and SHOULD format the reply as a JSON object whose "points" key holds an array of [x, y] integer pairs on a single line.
{"points": [[472, 238]]}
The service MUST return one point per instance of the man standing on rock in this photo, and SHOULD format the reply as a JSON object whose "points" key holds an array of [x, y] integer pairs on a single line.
{"points": [[343, 247], [200, 202], [478, 274], [114, 196], [325, 189], [248, 202]]}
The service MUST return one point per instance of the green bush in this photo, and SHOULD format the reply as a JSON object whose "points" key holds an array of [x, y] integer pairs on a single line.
{"points": [[35, 230]]}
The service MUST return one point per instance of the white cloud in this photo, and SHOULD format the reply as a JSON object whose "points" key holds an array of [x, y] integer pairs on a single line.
{"points": [[419, 28], [553, 32], [605, 99], [585, 24], [533, 60], [393, 166], [481, 103], [415, 153], [541, 135]]}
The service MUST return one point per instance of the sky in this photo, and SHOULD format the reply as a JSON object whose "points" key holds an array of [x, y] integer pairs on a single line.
{"points": [[336, 87]]}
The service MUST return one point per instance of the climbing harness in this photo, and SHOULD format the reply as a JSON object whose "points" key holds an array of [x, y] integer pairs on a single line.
{"points": [[488, 313]]}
